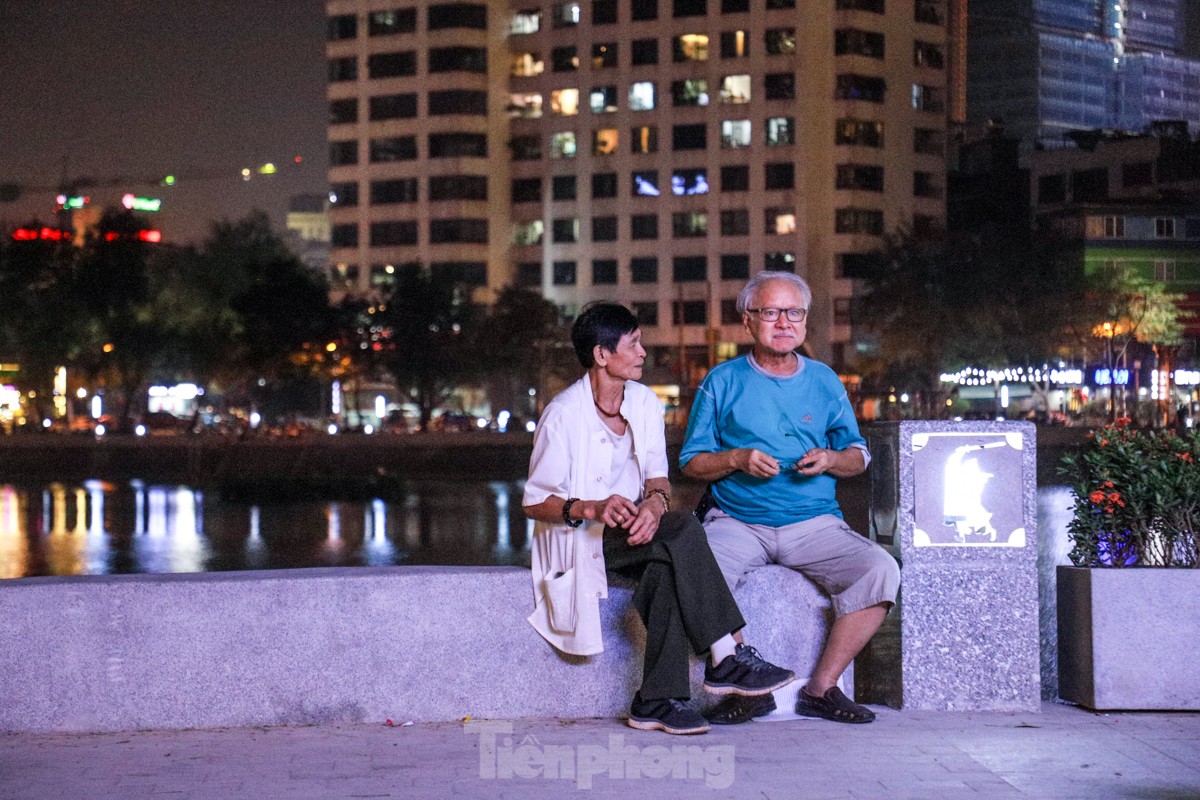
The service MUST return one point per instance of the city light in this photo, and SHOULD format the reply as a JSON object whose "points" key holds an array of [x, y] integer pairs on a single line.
{"points": [[134, 203]]}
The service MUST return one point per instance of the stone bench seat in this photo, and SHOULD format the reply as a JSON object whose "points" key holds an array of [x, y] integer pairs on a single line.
{"points": [[363, 644]]}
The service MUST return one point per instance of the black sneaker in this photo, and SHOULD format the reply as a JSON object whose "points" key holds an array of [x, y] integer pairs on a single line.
{"points": [[745, 673], [670, 715]]}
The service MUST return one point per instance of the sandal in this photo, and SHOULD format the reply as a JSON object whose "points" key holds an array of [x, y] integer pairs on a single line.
{"points": [[832, 705], [736, 709]]}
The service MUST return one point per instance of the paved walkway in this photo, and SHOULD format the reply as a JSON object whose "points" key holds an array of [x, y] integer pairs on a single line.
{"points": [[1059, 754]]}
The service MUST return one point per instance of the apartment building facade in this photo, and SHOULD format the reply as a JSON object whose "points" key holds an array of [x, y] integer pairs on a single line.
{"points": [[653, 152], [1045, 67]]}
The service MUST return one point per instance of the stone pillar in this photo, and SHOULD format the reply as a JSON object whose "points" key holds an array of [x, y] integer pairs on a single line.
{"points": [[956, 503]]}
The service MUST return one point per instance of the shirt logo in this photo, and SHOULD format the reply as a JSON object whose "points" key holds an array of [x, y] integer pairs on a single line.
{"points": [[806, 418]]}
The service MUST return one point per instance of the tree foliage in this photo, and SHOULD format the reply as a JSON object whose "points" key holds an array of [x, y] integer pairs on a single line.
{"points": [[126, 312], [433, 331], [937, 304]]}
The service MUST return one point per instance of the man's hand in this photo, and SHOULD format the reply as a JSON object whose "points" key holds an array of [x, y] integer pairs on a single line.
{"points": [[755, 462], [839, 463], [815, 461]]}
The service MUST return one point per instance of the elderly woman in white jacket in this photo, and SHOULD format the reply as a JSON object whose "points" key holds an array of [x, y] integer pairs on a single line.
{"points": [[599, 493]]}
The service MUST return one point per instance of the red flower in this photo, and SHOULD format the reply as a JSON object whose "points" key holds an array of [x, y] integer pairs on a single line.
{"points": [[1096, 497], [1122, 422], [1186, 457], [1103, 442], [1108, 484]]}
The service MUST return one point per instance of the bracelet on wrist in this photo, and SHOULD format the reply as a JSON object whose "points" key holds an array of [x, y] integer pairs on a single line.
{"points": [[666, 498], [574, 523]]}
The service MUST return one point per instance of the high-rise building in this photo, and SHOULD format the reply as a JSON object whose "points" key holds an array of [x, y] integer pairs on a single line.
{"points": [[654, 152], [1045, 67]]}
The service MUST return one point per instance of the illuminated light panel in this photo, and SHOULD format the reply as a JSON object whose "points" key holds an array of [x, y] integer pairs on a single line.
{"points": [[134, 203]]}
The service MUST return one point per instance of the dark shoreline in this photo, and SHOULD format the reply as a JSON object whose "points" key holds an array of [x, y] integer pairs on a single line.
{"points": [[343, 467]]}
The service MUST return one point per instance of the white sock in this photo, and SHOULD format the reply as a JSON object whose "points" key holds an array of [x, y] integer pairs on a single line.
{"points": [[722, 648]]}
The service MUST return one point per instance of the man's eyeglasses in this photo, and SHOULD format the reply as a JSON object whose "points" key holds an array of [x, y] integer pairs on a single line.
{"points": [[772, 314]]}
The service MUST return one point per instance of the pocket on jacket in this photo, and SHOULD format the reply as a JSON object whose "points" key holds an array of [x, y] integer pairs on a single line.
{"points": [[560, 596]]}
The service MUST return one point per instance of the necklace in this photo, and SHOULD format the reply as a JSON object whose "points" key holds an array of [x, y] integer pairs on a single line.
{"points": [[600, 408]]}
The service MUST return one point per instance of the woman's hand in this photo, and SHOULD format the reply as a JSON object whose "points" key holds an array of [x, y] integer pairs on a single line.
{"points": [[645, 525], [614, 511]]}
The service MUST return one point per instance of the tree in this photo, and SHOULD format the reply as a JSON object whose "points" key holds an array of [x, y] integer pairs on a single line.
{"points": [[42, 325], [431, 332], [118, 292], [518, 340], [938, 303], [263, 310]]}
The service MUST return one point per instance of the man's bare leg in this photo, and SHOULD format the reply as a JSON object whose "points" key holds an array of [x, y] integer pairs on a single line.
{"points": [[848, 636]]}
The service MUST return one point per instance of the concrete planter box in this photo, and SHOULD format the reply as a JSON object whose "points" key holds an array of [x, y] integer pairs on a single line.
{"points": [[1129, 638]]}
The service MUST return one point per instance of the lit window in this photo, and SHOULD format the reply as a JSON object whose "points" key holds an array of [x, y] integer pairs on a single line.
{"points": [[689, 224], [927, 98], [525, 22], [564, 15], [780, 41], [564, 59], [690, 92], [604, 99], [779, 262], [780, 221], [525, 233], [689, 181], [564, 102], [562, 145], [690, 47], [735, 89], [526, 65], [735, 133], [645, 184], [735, 44], [780, 131], [604, 54], [641, 96], [565, 230], [644, 139], [859, 132], [525, 105], [604, 142]]}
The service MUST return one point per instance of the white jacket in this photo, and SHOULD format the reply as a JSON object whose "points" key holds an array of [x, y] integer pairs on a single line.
{"points": [[572, 457]]}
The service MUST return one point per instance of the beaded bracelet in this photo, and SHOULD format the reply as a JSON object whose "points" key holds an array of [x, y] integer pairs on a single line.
{"points": [[574, 523], [666, 498]]}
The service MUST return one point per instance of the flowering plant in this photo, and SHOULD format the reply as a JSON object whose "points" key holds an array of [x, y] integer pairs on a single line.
{"points": [[1137, 498]]}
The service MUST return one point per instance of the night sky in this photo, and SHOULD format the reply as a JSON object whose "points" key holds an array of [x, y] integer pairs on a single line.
{"points": [[197, 88], [143, 88]]}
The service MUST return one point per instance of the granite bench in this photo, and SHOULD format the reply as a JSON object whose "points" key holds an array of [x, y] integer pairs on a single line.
{"points": [[365, 644]]}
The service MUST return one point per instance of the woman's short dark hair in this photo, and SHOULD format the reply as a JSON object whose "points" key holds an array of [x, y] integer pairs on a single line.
{"points": [[600, 323]]}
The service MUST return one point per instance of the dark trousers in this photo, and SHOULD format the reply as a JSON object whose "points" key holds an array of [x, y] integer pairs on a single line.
{"points": [[681, 597]]}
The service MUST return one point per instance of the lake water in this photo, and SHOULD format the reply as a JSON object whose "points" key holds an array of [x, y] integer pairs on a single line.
{"points": [[99, 528]]}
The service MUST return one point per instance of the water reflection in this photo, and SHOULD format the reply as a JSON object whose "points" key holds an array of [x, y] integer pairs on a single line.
{"points": [[103, 528]]}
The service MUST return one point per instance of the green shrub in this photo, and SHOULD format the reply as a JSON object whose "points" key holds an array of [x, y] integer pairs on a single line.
{"points": [[1137, 498]]}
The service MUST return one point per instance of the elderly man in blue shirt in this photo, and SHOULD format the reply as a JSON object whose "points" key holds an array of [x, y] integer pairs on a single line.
{"points": [[771, 432]]}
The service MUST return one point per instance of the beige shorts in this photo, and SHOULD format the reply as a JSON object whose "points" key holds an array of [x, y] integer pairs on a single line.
{"points": [[855, 572]]}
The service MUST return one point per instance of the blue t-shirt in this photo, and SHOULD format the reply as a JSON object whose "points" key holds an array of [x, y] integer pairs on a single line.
{"points": [[737, 406]]}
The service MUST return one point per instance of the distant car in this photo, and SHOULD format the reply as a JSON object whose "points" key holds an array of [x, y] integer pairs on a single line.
{"points": [[160, 423]]}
